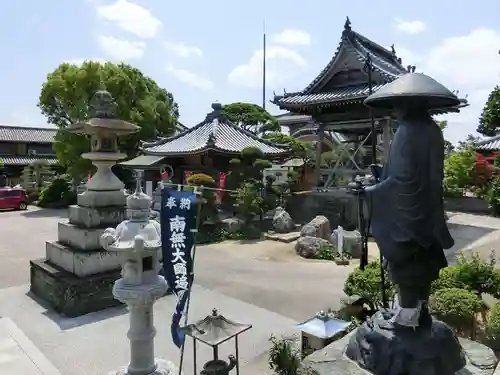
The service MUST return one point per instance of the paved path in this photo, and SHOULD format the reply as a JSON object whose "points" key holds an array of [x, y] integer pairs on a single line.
{"points": [[262, 283]]}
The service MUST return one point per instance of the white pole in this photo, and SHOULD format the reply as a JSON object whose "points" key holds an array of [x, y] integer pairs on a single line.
{"points": [[340, 239]]}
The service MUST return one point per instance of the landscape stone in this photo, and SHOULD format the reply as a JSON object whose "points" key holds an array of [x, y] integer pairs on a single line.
{"points": [[282, 221], [318, 227], [232, 224], [331, 360], [353, 242], [308, 247]]}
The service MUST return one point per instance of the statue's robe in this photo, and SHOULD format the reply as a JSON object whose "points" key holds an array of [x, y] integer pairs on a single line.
{"points": [[408, 218]]}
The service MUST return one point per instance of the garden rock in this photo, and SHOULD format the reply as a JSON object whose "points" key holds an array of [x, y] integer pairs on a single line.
{"points": [[232, 224], [282, 221], [352, 242], [308, 247], [480, 360], [318, 227]]}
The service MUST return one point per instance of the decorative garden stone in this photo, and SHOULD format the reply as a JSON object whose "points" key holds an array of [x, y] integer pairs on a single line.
{"points": [[352, 242], [232, 224], [77, 274], [409, 227], [317, 227], [309, 247], [282, 221], [138, 241]]}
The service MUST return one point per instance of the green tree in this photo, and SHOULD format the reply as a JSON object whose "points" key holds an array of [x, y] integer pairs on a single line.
{"points": [[65, 99], [251, 117], [448, 146], [300, 149], [489, 121], [458, 170]]}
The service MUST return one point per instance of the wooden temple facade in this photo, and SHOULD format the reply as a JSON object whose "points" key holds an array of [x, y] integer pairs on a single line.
{"points": [[205, 148], [331, 106]]}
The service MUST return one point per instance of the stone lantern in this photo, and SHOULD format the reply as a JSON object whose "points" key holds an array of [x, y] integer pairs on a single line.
{"points": [[138, 240], [104, 189]]}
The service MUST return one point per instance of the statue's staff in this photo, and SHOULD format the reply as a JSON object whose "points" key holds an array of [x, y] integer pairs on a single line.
{"points": [[375, 170]]}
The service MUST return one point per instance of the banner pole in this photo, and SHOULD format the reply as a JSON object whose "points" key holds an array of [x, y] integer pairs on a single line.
{"points": [[199, 193]]}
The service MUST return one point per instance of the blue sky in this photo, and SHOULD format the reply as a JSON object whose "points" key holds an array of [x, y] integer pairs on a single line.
{"points": [[206, 51]]}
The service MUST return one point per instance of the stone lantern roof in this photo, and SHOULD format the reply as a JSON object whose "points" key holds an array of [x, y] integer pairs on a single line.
{"points": [[104, 118]]}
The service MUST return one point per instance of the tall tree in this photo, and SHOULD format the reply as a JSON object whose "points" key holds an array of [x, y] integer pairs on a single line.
{"points": [[65, 99], [489, 122], [251, 117]]}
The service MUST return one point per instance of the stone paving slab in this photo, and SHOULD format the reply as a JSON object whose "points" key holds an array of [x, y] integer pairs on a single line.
{"points": [[18, 355], [96, 343]]}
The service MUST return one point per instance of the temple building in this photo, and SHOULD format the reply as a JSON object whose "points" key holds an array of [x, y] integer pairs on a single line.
{"points": [[331, 106], [205, 148]]}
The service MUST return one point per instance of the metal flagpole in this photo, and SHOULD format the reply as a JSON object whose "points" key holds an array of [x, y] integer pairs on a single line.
{"points": [[369, 69], [198, 193], [264, 68]]}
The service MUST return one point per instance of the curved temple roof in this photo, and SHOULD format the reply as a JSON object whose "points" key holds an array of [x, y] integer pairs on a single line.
{"points": [[360, 50], [217, 133]]}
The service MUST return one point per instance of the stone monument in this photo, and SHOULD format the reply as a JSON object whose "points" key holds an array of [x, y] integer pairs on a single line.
{"points": [[138, 241], [77, 275], [409, 227]]}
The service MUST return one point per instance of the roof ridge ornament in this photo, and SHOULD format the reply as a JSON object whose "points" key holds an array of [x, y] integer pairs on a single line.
{"points": [[393, 50], [347, 24]]}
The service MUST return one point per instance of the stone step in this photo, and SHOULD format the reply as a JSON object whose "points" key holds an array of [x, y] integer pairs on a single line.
{"points": [[82, 263], [96, 217], [283, 237], [84, 239]]}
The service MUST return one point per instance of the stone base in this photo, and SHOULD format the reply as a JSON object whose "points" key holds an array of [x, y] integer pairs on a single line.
{"points": [[386, 349], [163, 368], [71, 295], [101, 199], [82, 263], [105, 217], [85, 239], [331, 360]]}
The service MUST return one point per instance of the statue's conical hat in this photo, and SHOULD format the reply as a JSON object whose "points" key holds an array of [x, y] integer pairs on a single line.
{"points": [[413, 88]]}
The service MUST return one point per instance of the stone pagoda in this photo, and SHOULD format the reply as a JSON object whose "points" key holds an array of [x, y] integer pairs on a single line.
{"points": [[76, 276]]}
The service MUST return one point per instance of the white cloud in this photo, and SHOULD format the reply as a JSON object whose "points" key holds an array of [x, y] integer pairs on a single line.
{"points": [[183, 50], [282, 64], [470, 64], [410, 27], [80, 61], [131, 17], [120, 49], [292, 37], [190, 78]]}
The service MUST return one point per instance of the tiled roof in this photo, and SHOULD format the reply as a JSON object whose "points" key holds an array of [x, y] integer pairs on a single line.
{"points": [[359, 48], [490, 144], [216, 132], [27, 134], [25, 160], [356, 93]]}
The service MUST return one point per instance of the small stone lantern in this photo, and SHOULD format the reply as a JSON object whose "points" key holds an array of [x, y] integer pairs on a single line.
{"points": [[104, 189], [214, 330], [320, 330], [138, 241]]}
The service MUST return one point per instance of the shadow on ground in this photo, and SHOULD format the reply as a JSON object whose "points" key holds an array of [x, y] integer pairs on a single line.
{"points": [[46, 212], [464, 235], [66, 323]]}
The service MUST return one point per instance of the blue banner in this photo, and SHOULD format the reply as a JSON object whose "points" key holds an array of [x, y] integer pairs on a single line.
{"points": [[178, 224]]}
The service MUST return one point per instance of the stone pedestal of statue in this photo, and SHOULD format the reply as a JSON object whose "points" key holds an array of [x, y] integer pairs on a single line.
{"points": [[77, 275], [383, 348]]}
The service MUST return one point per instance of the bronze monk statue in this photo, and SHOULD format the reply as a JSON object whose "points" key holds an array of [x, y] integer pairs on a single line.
{"points": [[409, 227]]}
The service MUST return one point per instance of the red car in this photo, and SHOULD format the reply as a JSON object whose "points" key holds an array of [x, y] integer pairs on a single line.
{"points": [[13, 199]]}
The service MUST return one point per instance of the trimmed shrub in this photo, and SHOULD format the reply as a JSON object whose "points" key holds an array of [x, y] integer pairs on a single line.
{"points": [[366, 284], [493, 327], [456, 307], [449, 277], [57, 195]]}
